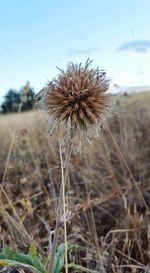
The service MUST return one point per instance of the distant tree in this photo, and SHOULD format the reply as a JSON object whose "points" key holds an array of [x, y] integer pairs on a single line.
{"points": [[13, 99]]}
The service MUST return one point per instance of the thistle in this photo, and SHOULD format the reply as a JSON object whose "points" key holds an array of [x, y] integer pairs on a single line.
{"points": [[77, 97]]}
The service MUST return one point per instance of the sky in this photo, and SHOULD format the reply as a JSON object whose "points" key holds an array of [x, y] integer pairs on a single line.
{"points": [[38, 35]]}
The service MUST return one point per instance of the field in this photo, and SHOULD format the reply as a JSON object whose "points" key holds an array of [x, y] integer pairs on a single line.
{"points": [[108, 188]]}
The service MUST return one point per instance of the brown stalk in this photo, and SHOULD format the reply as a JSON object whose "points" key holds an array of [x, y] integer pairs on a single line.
{"points": [[58, 218]]}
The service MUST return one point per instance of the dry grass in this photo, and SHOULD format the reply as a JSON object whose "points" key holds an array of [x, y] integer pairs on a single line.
{"points": [[108, 188]]}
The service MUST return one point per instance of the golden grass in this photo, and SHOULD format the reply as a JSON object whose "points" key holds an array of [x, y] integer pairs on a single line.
{"points": [[108, 188]]}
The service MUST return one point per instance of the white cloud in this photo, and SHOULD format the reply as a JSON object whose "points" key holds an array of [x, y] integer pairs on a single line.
{"points": [[137, 47]]}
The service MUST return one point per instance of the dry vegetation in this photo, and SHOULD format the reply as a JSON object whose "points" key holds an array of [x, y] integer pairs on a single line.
{"points": [[108, 192]]}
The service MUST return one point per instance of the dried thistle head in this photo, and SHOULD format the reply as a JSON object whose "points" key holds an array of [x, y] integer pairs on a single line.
{"points": [[77, 97]]}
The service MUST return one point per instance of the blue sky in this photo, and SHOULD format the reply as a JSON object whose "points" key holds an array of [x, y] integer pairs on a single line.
{"points": [[38, 35]]}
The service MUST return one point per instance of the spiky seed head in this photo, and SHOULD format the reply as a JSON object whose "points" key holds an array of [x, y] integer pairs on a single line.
{"points": [[77, 97]]}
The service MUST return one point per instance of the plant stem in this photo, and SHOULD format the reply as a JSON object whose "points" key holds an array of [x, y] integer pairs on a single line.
{"points": [[64, 176], [64, 204]]}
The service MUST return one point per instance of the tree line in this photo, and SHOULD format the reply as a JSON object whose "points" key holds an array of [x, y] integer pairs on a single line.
{"points": [[13, 99]]}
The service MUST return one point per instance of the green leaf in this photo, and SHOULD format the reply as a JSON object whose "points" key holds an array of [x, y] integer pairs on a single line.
{"points": [[32, 250], [59, 257], [31, 259], [10, 254]]}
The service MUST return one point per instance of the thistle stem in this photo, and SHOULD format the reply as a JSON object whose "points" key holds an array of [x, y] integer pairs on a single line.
{"points": [[64, 204], [61, 201]]}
